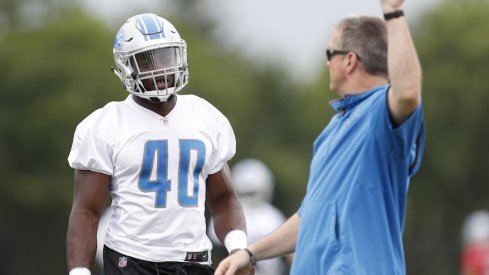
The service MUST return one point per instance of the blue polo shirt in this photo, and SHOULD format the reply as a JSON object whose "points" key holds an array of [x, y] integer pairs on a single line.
{"points": [[352, 216]]}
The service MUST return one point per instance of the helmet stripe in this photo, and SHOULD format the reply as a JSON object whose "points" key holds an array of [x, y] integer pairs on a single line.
{"points": [[150, 26], [159, 27]]}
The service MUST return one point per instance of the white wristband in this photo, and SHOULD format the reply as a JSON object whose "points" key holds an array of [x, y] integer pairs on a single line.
{"points": [[80, 271], [235, 239]]}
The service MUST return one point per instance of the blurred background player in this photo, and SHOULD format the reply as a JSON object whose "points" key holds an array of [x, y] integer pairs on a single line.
{"points": [[101, 231], [475, 242], [254, 184]]}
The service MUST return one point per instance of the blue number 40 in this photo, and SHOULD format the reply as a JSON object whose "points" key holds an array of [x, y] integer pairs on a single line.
{"points": [[154, 171]]}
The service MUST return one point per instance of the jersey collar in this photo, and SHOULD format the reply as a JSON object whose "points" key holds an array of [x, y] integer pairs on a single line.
{"points": [[349, 101], [130, 102]]}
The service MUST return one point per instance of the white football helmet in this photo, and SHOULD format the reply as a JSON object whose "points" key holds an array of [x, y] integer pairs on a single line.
{"points": [[150, 57], [252, 180], [476, 227]]}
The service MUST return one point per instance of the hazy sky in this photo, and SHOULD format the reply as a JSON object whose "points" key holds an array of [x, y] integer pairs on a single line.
{"points": [[289, 32]]}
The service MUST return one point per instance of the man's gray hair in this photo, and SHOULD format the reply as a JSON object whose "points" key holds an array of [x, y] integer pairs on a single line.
{"points": [[367, 37]]}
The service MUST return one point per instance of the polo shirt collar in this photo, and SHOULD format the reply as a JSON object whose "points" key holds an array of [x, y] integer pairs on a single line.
{"points": [[349, 101]]}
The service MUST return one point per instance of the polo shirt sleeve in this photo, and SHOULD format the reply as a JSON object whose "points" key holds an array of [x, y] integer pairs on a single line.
{"points": [[409, 138], [299, 211]]}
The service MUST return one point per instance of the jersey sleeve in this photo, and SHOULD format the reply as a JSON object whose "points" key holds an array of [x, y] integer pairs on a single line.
{"points": [[225, 147], [89, 152]]}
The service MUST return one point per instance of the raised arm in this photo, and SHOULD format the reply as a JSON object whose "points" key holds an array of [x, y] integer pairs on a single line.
{"points": [[91, 189], [279, 243], [404, 67], [226, 209]]}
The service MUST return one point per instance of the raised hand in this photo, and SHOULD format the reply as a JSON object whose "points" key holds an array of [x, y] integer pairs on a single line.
{"points": [[391, 5]]}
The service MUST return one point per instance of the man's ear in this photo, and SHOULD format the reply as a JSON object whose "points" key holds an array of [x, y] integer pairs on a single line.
{"points": [[351, 62]]}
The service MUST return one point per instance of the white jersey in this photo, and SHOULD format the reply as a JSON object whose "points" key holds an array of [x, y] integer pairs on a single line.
{"points": [[158, 167], [262, 218]]}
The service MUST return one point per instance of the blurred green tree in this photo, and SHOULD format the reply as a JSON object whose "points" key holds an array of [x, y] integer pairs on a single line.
{"points": [[52, 76], [453, 48], [56, 73]]}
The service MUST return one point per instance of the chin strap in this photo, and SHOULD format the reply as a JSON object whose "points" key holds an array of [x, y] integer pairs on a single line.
{"points": [[116, 72], [134, 76]]}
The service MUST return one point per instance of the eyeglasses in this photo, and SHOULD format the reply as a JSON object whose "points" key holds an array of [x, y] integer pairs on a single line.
{"points": [[332, 52]]}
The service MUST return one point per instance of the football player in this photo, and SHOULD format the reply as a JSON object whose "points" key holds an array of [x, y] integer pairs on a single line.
{"points": [[254, 184], [161, 156]]}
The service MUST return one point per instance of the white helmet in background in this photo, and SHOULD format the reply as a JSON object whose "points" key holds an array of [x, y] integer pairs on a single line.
{"points": [[476, 227], [150, 57], [252, 179]]}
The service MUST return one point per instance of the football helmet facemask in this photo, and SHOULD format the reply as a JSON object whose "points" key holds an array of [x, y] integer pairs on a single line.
{"points": [[150, 57]]}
